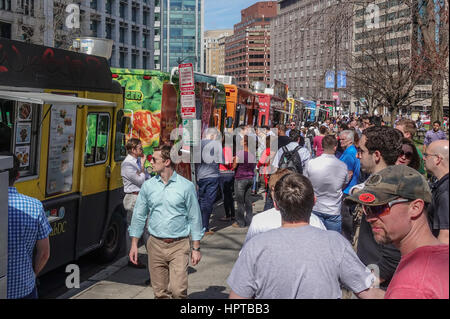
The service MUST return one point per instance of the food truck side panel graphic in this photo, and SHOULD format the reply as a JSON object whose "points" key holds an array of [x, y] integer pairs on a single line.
{"points": [[143, 100]]}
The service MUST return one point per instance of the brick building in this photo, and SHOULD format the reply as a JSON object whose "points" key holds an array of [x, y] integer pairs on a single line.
{"points": [[247, 51]]}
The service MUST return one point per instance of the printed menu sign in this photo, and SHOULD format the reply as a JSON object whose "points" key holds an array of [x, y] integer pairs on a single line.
{"points": [[61, 149]]}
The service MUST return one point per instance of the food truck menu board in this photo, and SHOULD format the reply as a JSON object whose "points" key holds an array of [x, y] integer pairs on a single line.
{"points": [[23, 134], [61, 149]]}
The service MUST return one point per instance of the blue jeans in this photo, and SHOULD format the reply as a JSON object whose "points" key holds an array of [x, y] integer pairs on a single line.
{"points": [[226, 184], [331, 222], [269, 202], [207, 191], [244, 212]]}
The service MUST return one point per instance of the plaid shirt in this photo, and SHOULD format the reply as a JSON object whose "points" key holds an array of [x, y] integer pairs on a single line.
{"points": [[27, 223]]}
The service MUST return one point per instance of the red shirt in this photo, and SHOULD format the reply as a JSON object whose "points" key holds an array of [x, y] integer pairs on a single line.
{"points": [[422, 274], [228, 155], [317, 145]]}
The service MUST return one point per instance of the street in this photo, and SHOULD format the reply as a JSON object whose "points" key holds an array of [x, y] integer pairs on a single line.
{"points": [[118, 281]]}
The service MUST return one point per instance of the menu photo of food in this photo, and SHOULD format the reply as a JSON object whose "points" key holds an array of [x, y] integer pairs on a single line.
{"points": [[23, 133], [23, 155], [25, 110]]}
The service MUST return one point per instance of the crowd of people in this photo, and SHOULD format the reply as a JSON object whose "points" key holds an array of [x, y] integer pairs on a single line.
{"points": [[351, 204]]}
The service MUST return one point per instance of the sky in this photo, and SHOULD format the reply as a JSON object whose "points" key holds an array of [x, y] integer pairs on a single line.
{"points": [[224, 14]]}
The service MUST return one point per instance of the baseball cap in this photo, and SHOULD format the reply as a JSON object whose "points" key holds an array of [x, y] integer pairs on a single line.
{"points": [[391, 183]]}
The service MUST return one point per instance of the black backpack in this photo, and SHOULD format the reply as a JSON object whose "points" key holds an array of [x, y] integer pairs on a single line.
{"points": [[291, 160]]}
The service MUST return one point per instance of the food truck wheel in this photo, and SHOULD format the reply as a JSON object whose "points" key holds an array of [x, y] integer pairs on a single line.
{"points": [[113, 239]]}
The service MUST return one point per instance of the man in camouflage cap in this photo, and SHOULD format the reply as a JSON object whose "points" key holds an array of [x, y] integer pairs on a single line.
{"points": [[394, 201]]}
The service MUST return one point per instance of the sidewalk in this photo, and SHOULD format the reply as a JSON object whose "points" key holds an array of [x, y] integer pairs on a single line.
{"points": [[206, 281]]}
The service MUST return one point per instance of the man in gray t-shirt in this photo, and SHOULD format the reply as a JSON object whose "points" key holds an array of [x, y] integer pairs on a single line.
{"points": [[298, 260]]}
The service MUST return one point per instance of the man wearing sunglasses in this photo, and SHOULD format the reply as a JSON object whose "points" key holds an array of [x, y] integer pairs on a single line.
{"points": [[378, 148], [394, 201]]}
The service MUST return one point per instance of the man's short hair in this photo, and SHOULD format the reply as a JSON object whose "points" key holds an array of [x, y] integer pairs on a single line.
{"points": [[408, 126], [165, 153], [282, 127], [14, 170], [132, 143], [275, 177], [294, 134], [438, 122], [329, 142], [323, 129], [386, 140], [294, 196], [349, 134]]}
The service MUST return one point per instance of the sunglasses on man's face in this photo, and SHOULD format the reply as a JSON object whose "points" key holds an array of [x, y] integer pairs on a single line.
{"points": [[382, 209]]}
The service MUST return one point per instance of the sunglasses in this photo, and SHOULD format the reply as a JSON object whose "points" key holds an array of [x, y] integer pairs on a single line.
{"points": [[408, 155], [382, 209]]}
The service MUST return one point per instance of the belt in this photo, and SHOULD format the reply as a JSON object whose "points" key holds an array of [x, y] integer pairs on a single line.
{"points": [[170, 240], [132, 193]]}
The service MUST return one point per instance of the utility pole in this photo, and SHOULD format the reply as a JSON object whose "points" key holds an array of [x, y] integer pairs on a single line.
{"points": [[335, 65]]}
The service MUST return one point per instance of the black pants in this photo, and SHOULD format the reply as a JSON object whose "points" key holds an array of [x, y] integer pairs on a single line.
{"points": [[226, 184], [347, 211]]}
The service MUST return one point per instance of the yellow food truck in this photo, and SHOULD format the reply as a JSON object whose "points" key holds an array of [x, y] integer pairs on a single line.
{"points": [[62, 115]]}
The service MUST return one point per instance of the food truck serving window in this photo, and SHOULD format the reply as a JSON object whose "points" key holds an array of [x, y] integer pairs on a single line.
{"points": [[122, 126], [96, 151], [19, 130]]}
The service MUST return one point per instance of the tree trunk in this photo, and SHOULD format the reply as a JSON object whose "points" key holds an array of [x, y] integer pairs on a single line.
{"points": [[394, 112], [437, 112]]}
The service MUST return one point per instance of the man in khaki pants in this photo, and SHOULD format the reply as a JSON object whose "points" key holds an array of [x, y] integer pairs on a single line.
{"points": [[171, 205], [133, 176]]}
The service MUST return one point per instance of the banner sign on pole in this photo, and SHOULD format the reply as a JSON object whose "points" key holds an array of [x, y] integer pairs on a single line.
{"points": [[186, 72], [329, 80], [341, 79]]}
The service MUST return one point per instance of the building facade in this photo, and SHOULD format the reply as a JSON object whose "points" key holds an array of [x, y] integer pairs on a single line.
{"points": [[132, 24], [214, 51], [395, 25], [306, 44], [182, 28], [247, 51]]}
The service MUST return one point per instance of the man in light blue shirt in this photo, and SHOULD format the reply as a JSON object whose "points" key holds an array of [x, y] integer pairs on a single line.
{"points": [[171, 205]]}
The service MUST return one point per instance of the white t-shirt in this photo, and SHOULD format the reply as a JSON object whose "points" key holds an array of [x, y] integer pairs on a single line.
{"points": [[271, 219], [329, 176]]}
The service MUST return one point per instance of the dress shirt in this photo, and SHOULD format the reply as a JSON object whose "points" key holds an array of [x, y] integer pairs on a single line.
{"points": [[132, 182], [27, 224], [328, 175], [172, 209], [305, 156]]}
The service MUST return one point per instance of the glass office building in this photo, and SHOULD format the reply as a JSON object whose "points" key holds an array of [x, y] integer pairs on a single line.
{"points": [[182, 24]]}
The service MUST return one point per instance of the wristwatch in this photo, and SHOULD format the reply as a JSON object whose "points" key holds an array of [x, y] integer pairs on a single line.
{"points": [[196, 249]]}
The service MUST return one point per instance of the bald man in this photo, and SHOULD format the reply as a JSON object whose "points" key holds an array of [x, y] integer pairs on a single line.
{"points": [[436, 162]]}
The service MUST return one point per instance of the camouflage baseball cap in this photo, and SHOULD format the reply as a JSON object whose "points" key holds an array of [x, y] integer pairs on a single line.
{"points": [[391, 183]]}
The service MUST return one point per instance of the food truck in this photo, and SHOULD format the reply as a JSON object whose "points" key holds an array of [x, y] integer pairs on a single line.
{"points": [[62, 115], [241, 106]]}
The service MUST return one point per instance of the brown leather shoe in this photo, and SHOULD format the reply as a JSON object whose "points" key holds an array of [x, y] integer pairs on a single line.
{"points": [[236, 225], [209, 232]]}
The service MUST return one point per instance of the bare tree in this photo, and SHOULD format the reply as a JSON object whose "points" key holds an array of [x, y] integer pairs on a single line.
{"points": [[432, 37], [384, 68]]}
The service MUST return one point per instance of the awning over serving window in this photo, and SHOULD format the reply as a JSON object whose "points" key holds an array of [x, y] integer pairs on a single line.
{"points": [[285, 112], [49, 98]]}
